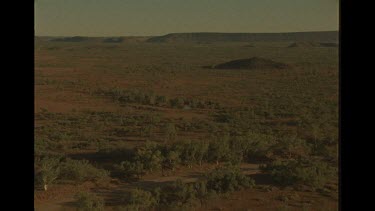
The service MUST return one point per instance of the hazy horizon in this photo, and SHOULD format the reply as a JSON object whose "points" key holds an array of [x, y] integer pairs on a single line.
{"points": [[180, 33], [98, 18]]}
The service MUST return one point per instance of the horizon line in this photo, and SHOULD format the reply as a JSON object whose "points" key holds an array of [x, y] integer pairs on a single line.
{"points": [[337, 30]]}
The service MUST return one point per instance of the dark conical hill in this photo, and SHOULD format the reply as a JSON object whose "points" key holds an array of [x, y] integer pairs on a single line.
{"points": [[252, 63]]}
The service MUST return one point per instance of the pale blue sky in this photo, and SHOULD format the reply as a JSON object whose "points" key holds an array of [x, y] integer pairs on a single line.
{"points": [[158, 17]]}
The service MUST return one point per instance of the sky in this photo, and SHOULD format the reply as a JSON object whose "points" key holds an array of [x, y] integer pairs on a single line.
{"points": [[159, 17]]}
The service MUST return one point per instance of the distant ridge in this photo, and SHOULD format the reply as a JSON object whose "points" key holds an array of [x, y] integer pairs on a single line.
{"points": [[70, 39], [313, 44], [113, 40], [319, 36], [119, 39], [251, 63]]}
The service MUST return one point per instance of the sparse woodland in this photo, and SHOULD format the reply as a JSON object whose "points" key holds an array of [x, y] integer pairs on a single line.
{"points": [[128, 112]]}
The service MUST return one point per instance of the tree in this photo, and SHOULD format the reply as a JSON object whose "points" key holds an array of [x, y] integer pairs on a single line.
{"points": [[155, 119], [315, 130], [170, 131], [186, 125], [151, 99], [188, 153], [219, 149], [161, 100], [49, 171], [201, 190], [258, 145], [177, 102], [150, 156], [172, 158], [239, 147], [293, 146], [146, 131], [201, 153], [131, 169]]}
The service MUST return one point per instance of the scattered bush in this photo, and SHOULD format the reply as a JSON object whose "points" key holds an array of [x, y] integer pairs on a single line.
{"points": [[139, 199], [44, 147], [219, 149], [193, 152], [259, 145], [81, 170], [171, 160], [176, 102], [48, 172], [89, 202], [131, 169], [292, 147], [228, 178], [170, 131], [149, 156], [300, 172], [177, 194], [149, 98]]}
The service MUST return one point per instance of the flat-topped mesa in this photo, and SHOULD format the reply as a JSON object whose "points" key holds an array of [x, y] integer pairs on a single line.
{"points": [[251, 63], [324, 36]]}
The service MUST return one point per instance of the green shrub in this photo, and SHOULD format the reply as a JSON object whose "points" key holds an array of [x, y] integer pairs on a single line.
{"points": [[131, 169], [292, 147], [160, 100], [176, 102], [228, 178], [170, 131], [219, 149], [201, 191], [201, 152], [177, 194], [47, 171], [138, 198], [192, 152], [221, 180], [41, 147], [255, 145], [149, 156], [147, 131], [171, 160], [81, 170], [89, 202], [300, 172]]}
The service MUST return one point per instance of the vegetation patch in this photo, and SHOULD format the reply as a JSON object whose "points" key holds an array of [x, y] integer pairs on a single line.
{"points": [[81, 170], [312, 173], [87, 201]]}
